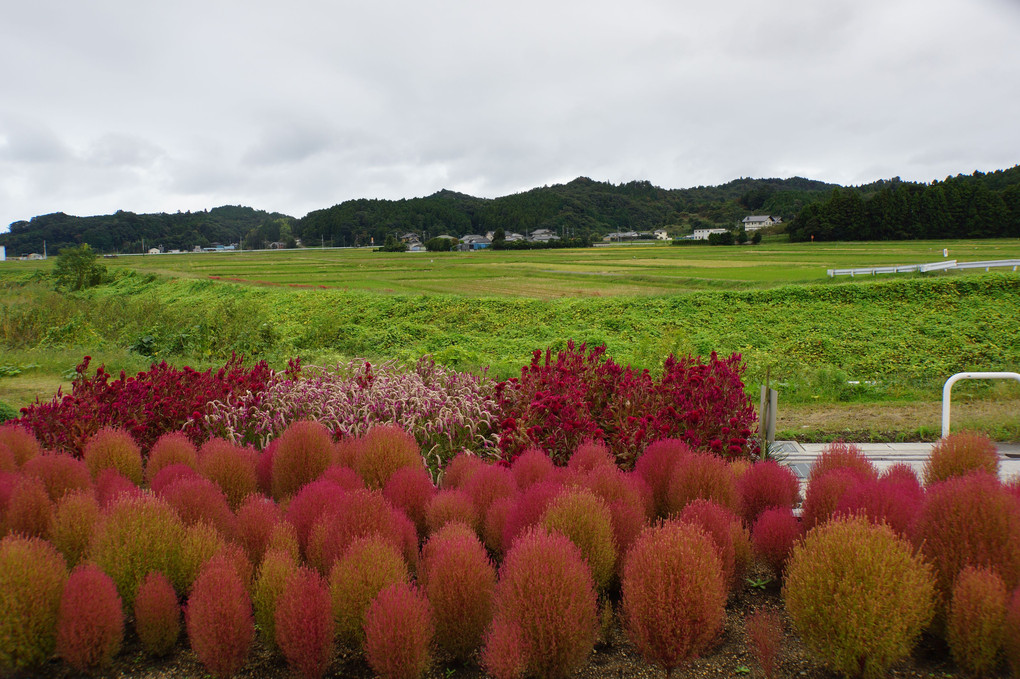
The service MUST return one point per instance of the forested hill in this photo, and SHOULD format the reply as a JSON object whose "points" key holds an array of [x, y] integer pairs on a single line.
{"points": [[125, 231], [582, 207], [966, 206]]}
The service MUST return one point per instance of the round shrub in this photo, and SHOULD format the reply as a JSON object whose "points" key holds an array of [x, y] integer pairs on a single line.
{"points": [[264, 468], [773, 536], [345, 477], [590, 455], [458, 579], [722, 526], [74, 523], [59, 472], [703, 476], [546, 591], [494, 524], [587, 522], [302, 453], [628, 522], [7, 463], [276, 569], [612, 484], [310, 502], [975, 624], [201, 542], [459, 469], [531, 467], [111, 484], [218, 619], [20, 442], [488, 484], [840, 455], [527, 510], [398, 632], [655, 466], [29, 509], [864, 633], [960, 454], [256, 518], [111, 448], [384, 450], [970, 521], [369, 565], [503, 655], [197, 499], [358, 514], [451, 505], [90, 625], [304, 624], [136, 536], [904, 474], [347, 450], [883, 501], [230, 467], [673, 593], [824, 493], [410, 489], [157, 614], [764, 485], [32, 577], [170, 473], [170, 448], [1011, 638], [283, 537]]}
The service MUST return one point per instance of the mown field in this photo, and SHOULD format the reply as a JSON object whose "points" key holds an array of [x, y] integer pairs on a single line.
{"points": [[821, 340]]}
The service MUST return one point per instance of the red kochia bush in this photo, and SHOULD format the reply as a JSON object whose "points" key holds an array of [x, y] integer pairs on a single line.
{"points": [[61, 473], [384, 450], [700, 476], [531, 467], [765, 636], [199, 499], [309, 504], [970, 521], [410, 489], [111, 484], [345, 477], [975, 624], [20, 442], [230, 467], [170, 473], [655, 466], [398, 633], [302, 453], [724, 527], [90, 626], [218, 618], [32, 577], [1011, 640], [527, 510], [958, 455], [29, 509], [458, 579], [764, 485], [157, 614], [459, 469], [450, 505], [589, 455], [824, 493], [884, 501], [488, 484], [773, 536], [146, 405], [171, 448], [111, 448], [673, 593], [304, 624], [504, 656], [546, 591], [840, 455], [256, 518]]}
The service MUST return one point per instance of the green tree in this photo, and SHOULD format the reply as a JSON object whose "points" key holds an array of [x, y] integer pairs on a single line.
{"points": [[439, 244], [77, 268]]}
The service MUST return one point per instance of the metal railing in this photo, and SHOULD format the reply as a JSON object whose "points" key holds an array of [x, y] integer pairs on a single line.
{"points": [[944, 265], [948, 387]]}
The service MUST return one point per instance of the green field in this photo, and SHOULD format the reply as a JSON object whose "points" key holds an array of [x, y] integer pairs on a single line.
{"points": [[882, 338], [619, 270]]}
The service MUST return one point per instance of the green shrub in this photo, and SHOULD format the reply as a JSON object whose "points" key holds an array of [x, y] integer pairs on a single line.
{"points": [[8, 412], [277, 567], [74, 523], [32, 577], [368, 566], [111, 448], [959, 454], [975, 623], [587, 522], [385, 449], [157, 614], [170, 448], [858, 595]]}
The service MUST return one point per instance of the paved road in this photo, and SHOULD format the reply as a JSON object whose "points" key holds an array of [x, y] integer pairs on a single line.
{"points": [[801, 456]]}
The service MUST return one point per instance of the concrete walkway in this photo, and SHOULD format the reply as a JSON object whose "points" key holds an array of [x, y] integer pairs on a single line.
{"points": [[801, 456]]}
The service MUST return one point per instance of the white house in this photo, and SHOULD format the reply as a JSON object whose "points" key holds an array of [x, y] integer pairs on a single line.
{"points": [[703, 234], [660, 234], [154, 251], [755, 222]]}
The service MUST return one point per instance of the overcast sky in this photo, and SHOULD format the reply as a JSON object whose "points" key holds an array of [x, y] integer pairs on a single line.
{"points": [[291, 107]]}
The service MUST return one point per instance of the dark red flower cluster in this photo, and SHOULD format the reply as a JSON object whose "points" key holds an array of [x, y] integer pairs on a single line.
{"points": [[147, 405], [582, 394]]}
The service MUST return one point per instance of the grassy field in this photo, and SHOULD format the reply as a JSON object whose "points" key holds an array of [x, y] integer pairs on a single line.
{"points": [[823, 341], [623, 270]]}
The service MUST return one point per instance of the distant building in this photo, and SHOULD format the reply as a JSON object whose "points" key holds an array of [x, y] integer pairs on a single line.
{"points": [[542, 236], [703, 234], [3, 253], [660, 234], [621, 235], [154, 251], [755, 222], [473, 241]]}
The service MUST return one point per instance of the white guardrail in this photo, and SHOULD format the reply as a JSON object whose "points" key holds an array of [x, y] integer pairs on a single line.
{"points": [[948, 387], [944, 265]]}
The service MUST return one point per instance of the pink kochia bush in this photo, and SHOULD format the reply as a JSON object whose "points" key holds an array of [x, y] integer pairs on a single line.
{"points": [[304, 624], [302, 453], [398, 633], [157, 614], [765, 637], [458, 579], [410, 489], [766, 484], [546, 592], [557, 403], [975, 624], [700, 476], [773, 536], [655, 466], [60, 473], [32, 577], [219, 619], [673, 593], [90, 626]]}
